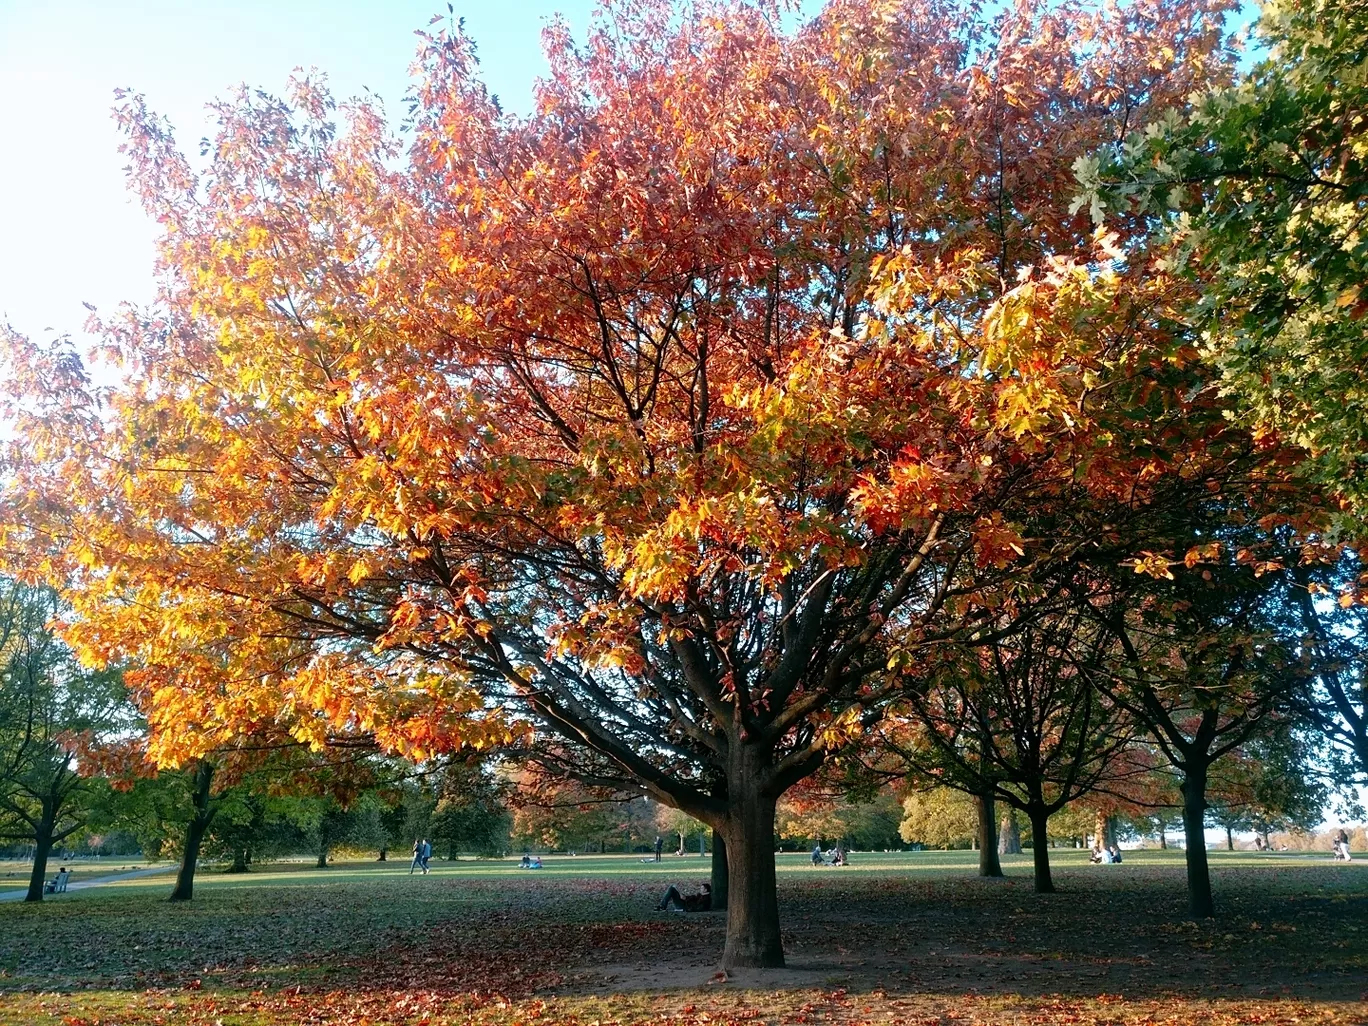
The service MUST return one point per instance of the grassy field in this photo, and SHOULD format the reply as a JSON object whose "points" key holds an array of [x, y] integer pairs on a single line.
{"points": [[893, 938]]}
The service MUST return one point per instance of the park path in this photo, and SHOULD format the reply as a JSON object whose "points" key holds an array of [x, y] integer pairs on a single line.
{"points": [[77, 884]]}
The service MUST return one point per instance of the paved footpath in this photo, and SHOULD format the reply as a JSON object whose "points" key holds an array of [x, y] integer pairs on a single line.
{"points": [[77, 884]]}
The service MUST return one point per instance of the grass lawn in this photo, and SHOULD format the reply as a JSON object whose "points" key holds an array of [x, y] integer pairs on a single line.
{"points": [[896, 938]]}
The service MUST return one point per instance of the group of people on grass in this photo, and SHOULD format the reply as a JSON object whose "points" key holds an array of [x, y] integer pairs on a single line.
{"points": [[835, 857], [1106, 856], [530, 862]]}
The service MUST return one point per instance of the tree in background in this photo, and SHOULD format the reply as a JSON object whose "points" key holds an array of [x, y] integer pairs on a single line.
{"points": [[52, 712], [1269, 784], [471, 814], [1321, 603], [1020, 718], [1200, 663], [833, 808], [943, 817], [673, 822]]}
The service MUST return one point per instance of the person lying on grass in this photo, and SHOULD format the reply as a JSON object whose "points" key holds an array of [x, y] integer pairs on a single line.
{"points": [[700, 902]]}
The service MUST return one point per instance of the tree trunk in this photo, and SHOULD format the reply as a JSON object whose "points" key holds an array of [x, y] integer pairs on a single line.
{"points": [[42, 848], [384, 855], [1200, 905], [719, 871], [194, 833], [987, 836], [239, 861], [323, 847], [1105, 829], [1163, 837], [1230, 839], [1040, 851], [1009, 842], [752, 900]]}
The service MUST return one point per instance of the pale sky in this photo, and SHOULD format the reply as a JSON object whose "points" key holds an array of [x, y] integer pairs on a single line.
{"points": [[69, 231]]}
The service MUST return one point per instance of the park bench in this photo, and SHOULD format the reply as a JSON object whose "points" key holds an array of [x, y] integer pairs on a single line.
{"points": [[58, 884]]}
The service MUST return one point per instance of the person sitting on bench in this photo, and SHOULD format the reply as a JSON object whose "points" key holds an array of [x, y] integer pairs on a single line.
{"points": [[701, 902], [58, 884]]}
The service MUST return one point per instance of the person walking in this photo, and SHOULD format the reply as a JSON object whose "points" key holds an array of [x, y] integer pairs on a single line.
{"points": [[425, 855], [417, 862]]}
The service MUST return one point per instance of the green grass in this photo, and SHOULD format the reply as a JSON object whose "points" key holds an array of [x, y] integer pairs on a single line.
{"points": [[900, 934]]}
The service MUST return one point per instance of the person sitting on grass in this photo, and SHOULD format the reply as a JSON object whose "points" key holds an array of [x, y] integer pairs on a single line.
{"points": [[1115, 854], [1096, 857], [701, 902]]}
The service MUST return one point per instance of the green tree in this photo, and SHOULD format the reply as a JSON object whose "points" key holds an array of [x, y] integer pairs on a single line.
{"points": [[1269, 784], [1261, 187], [470, 814], [52, 712]]}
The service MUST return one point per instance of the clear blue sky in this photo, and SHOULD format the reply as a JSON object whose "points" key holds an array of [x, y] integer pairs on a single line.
{"points": [[70, 230]]}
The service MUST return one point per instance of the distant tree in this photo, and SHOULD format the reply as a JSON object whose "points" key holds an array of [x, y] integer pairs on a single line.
{"points": [[250, 826], [1269, 784], [866, 818], [52, 712], [409, 804], [1200, 662], [942, 817], [470, 814], [1323, 602], [681, 825], [1020, 718]]}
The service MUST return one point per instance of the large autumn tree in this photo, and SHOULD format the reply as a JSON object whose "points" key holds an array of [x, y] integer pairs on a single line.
{"points": [[637, 420]]}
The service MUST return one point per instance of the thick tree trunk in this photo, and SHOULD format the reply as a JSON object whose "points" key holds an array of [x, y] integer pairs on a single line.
{"points": [[1010, 836], [384, 855], [1163, 837], [987, 836], [1230, 839], [1040, 851], [194, 834], [1200, 905], [42, 848], [323, 848], [752, 902], [719, 871], [239, 861]]}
